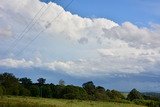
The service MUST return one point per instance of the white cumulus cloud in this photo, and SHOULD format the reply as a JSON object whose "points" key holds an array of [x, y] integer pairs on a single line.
{"points": [[16, 63], [108, 48]]}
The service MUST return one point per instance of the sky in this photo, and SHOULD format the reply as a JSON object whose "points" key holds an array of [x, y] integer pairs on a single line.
{"points": [[113, 43], [139, 12]]}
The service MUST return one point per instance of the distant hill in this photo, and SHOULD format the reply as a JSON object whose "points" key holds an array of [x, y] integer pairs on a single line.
{"points": [[153, 94]]}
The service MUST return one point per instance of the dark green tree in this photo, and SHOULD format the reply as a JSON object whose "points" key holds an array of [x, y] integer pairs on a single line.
{"points": [[23, 91], [26, 82], [90, 89], [70, 92], [1, 91], [58, 91], [53, 90], [41, 81], [74, 92], [114, 95], [100, 93], [134, 94], [82, 94], [117, 95], [46, 91], [109, 94], [10, 83], [34, 91]]}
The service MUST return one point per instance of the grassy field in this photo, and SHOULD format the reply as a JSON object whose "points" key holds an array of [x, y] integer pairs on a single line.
{"points": [[10, 101]]}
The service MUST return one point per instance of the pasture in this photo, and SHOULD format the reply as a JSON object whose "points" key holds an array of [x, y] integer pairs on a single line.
{"points": [[10, 101]]}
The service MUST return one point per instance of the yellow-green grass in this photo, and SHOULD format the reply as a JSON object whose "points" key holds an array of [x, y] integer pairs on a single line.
{"points": [[10, 101]]}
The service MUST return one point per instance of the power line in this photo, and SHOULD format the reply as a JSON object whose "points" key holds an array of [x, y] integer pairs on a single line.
{"points": [[22, 50], [30, 42], [35, 22], [29, 27], [26, 27]]}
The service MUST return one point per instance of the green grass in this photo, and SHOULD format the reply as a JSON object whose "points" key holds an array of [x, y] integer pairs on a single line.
{"points": [[10, 101]]}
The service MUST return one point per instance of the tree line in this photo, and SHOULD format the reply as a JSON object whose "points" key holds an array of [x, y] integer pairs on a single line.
{"points": [[10, 85]]}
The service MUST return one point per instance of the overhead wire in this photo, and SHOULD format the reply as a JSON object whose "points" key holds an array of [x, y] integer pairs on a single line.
{"points": [[15, 41], [22, 50], [29, 27]]}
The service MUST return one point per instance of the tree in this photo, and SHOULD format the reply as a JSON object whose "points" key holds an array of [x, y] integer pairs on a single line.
{"points": [[90, 89], [100, 89], [134, 94], [114, 94], [46, 91], [23, 91], [25, 81], [1, 91], [10, 83], [58, 93], [41, 81], [117, 95], [61, 82], [74, 92], [100, 93], [70, 92], [82, 94], [34, 90]]}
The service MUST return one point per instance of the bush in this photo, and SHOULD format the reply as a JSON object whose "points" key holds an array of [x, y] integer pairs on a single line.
{"points": [[46, 91], [74, 92], [10, 82], [34, 91], [134, 94], [23, 91], [149, 103], [69, 96], [114, 95], [1, 91]]}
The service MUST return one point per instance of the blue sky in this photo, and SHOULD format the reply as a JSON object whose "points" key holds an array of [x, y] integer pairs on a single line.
{"points": [[139, 12], [113, 43]]}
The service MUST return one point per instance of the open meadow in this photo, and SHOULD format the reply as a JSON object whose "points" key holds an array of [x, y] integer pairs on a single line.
{"points": [[10, 101]]}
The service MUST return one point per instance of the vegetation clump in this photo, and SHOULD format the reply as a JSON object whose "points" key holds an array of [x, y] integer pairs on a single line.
{"points": [[10, 85]]}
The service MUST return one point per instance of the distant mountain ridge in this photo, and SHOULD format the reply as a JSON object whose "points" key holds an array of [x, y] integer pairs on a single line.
{"points": [[153, 94]]}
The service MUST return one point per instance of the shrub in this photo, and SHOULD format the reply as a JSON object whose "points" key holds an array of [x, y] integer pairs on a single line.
{"points": [[134, 94], [1, 91]]}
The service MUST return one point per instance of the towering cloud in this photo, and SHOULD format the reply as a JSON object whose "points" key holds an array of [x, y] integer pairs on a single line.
{"points": [[80, 46]]}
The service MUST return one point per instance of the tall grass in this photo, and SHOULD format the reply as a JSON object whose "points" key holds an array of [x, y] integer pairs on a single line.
{"points": [[10, 101]]}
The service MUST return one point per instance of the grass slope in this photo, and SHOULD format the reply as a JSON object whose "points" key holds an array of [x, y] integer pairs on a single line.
{"points": [[11, 101]]}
